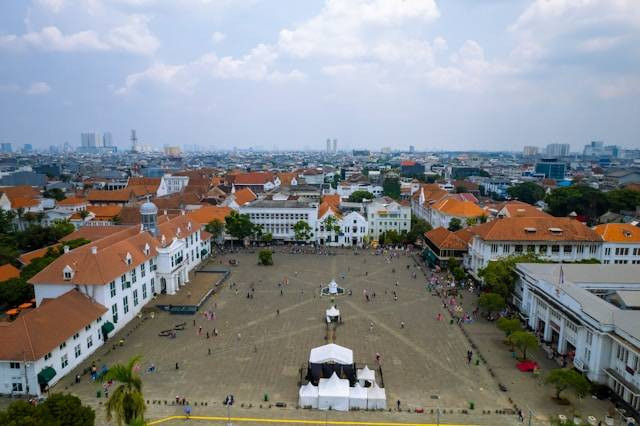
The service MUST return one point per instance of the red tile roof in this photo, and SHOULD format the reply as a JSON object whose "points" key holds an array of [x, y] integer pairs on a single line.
{"points": [[8, 271], [535, 229]]}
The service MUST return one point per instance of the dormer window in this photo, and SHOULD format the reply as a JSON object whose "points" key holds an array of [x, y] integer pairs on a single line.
{"points": [[189, 226], [67, 273], [147, 249], [555, 231], [178, 231], [128, 259], [530, 230]]}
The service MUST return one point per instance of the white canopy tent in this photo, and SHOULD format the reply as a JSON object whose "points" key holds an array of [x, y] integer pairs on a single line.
{"points": [[333, 393], [366, 375], [331, 353], [358, 397], [333, 314], [376, 398], [308, 396]]}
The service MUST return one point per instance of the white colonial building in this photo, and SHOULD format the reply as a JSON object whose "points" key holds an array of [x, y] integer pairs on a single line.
{"points": [[279, 216], [349, 228], [589, 314], [345, 189], [171, 184], [553, 238], [621, 243], [385, 214], [94, 290]]}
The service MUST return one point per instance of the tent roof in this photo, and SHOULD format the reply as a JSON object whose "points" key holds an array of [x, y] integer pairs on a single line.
{"points": [[376, 392], [333, 312], [331, 353], [358, 392], [308, 390], [366, 374], [333, 386]]}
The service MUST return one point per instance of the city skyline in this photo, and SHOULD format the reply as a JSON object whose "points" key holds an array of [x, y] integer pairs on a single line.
{"points": [[437, 75]]}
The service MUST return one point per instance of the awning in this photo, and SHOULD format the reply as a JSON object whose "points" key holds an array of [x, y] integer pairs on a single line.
{"points": [[46, 375], [107, 327]]}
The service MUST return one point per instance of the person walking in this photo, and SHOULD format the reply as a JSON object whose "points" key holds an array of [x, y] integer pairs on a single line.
{"points": [[469, 356], [401, 324], [398, 404]]}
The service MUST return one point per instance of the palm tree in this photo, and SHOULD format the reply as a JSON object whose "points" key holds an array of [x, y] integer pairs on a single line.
{"points": [[83, 214], [126, 401]]}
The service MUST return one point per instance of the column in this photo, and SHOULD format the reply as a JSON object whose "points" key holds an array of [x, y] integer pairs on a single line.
{"points": [[547, 327], [562, 344], [186, 276]]}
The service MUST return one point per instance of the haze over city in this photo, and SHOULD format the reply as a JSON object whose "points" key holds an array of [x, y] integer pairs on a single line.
{"points": [[454, 75]]}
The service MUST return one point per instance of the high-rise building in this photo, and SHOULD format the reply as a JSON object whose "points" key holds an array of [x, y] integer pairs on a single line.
{"points": [[558, 149], [335, 146], [595, 148], [412, 149], [27, 147], [530, 151], [551, 168], [328, 146], [107, 140], [89, 141], [6, 148]]}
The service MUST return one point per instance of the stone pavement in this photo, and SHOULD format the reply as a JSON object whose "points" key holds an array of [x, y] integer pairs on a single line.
{"points": [[259, 351]]}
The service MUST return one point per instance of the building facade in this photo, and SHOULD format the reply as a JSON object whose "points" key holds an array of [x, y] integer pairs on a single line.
{"points": [[385, 214], [279, 216], [621, 243]]}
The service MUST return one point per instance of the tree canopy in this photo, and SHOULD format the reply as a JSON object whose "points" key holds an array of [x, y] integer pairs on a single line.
{"points": [[239, 226], [491, 302], [302, 230], [215, 228], [358, 196], [265, 257], [391, 188], [564, 378], [455, 224], [57, 410], [418, 228], [582, 199], [524, 340], [499, 276], [527, 192], [509, 325], [126, 401]]}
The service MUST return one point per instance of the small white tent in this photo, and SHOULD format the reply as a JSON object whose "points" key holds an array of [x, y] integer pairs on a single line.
{"points": [[358, 397], [333, 287], [331, 353], [308, 396], [333, 314], [333, 393], [366, 375], [376, 398]]}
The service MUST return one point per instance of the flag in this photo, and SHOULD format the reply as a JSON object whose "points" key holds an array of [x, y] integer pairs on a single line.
{"points": [[561, 279]]}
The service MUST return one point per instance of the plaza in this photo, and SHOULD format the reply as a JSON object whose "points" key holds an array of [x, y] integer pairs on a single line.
{"points": [[263, 341]]}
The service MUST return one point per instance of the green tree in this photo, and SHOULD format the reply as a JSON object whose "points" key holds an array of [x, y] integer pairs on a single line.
{"points": [[455, 224], [622, 199], [331, 225], [564, 378], [239, 226], [527, 192], [267, 237], [509, 325], [582, 199], [461, 189], [83, 214], [69, 411], [55, 193], [61, 228], [126, 401], [418, 229], [15, 291], [335, 181], [21, 413], [358, 196], [216, 229], [524, 340], [491, 302], [458, 274], [265, 257], [500, 276], [302, 230], [391, 187]]}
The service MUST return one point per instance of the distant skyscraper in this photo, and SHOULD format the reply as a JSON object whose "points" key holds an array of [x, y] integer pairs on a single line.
{"points": [[6, 148], [134, 141], [328, 146], [107, 140], [335, 146], [412, 149], [27, 147], [90, 141], [595, 148], [530, 151], [551, 168], [558, 149]]}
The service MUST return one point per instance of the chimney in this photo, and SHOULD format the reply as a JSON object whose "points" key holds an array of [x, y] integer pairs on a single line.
{"points": [[66, 249], [94, 250], [165, 212]]}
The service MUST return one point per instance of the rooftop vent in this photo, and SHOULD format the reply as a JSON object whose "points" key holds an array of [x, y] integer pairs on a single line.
{"points": [[66, 249], [94, 250], [530, 230], [555, 230], [627, 234]]}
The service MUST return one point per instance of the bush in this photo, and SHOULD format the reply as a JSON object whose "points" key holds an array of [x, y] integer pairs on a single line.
{"points": [[265, 257]]}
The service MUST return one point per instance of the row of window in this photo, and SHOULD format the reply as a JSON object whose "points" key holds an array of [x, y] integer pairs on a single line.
{"points": [[543, 248], [284, 216], [622, 262], [136, 301], [622, 251]]}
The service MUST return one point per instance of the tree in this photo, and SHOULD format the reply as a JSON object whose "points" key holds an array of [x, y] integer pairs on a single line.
{"points": [[524, 340], [302, 230], [15, 291], [563, 378], [68, 410], [582, 199], [265, 257], [391, 187], [216, 229], [461, 189], [509, 325], [331, 225], [491, 302], [458, 274], [61, 228], [359, 196], [83, 214], [335, 181], [55, 193], [455, 224], [418, 229], [500, 276], [239, 226], [126, 401], [527, 192], [57, 410], [623, 199]]}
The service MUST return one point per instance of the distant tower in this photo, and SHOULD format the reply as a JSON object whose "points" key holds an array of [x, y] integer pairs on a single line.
{"points": [[335, 146], [328, 146], [134, 141], [149, 214]]}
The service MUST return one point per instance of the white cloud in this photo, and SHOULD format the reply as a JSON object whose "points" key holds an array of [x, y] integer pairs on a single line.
{"points": [[38, 88], [158, 73], [218, 37], [51, 38], [9, 88], [619, 87], [53, 5], [134, 36], [597, 44], [347, 28]]}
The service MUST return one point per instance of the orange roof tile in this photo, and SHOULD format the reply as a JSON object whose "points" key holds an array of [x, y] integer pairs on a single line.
{"points": [[333, 199], [8, 271], [535, 229], [206, 214], [254, 178], [286, 178], [72, 201], [521, 209], [36, 332], [28, 257], [92, 233], [25, 191], [23, 202], [326, 207], [121, 195], [244, 196], [455, 207], [105, 212], [445, 239], [618, 233]]}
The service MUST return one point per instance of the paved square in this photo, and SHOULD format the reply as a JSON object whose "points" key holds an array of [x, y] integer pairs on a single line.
{"points": [[259, 351]]}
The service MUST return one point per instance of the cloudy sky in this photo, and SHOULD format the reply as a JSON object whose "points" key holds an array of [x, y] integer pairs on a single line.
{"points": [[437, 74]]}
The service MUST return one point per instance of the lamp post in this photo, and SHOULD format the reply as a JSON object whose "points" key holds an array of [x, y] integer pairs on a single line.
{"points": [[438, 416]]}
